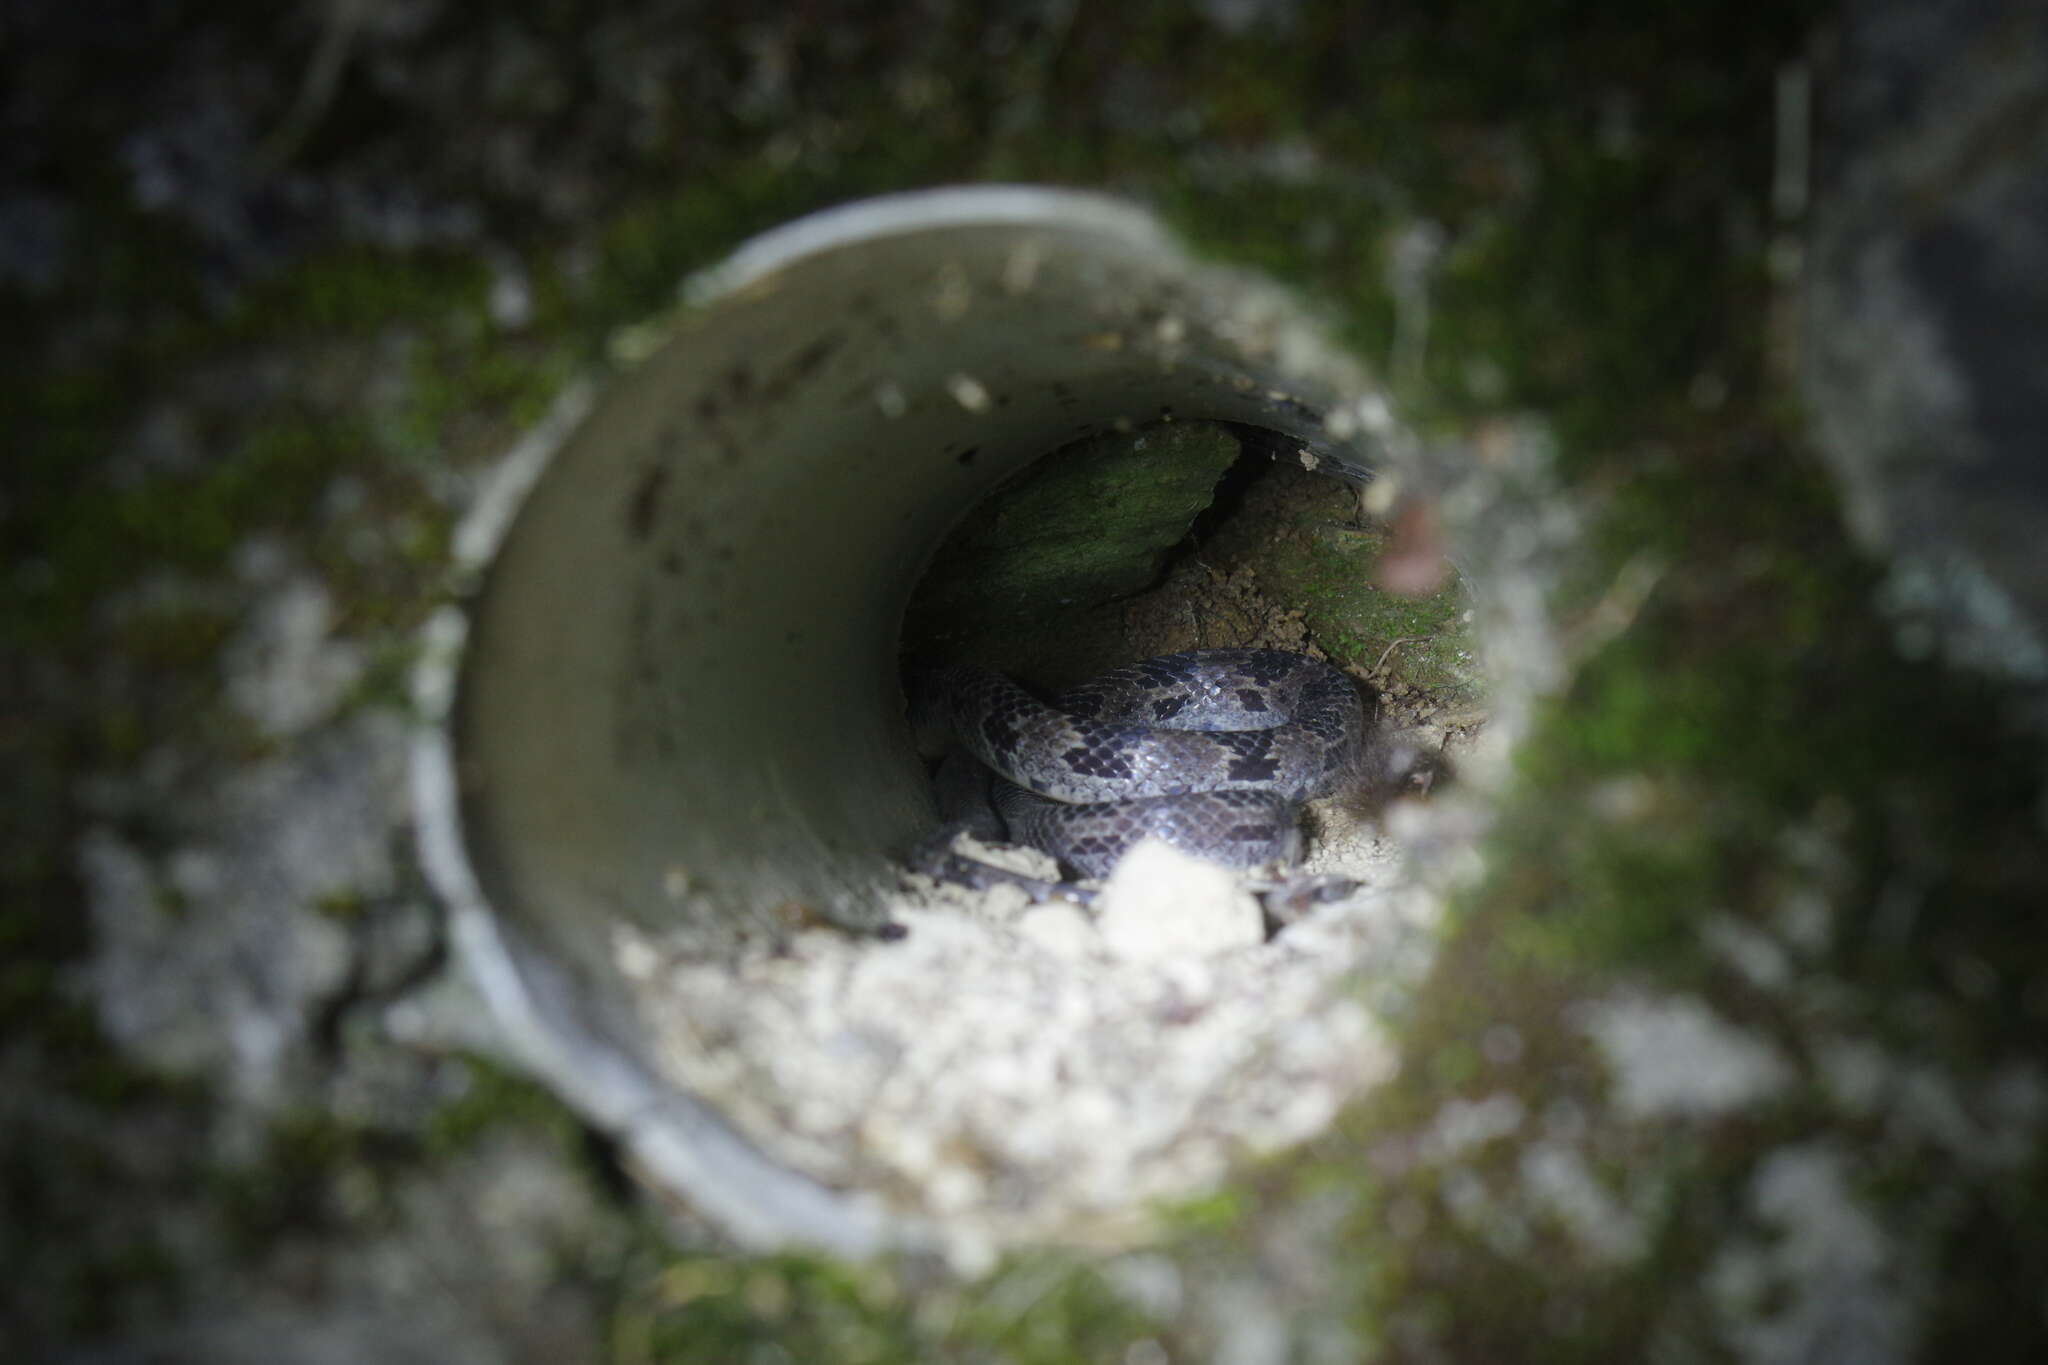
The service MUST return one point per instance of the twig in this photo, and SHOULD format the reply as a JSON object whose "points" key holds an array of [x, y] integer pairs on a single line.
{"points": [[1403, 640]]}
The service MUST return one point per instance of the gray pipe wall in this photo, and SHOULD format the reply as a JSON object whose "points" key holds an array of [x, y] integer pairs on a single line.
{"points": [[677, 705]]}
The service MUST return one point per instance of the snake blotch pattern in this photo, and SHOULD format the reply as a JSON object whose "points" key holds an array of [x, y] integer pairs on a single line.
{"points": [[1211, 750]]}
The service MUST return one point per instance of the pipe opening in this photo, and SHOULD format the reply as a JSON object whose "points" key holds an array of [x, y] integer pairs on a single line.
{"points": [[675, 776]]}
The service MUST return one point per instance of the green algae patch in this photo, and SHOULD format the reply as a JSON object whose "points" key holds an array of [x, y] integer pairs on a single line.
{"points": [[492, 1098], [1088, 524], [1782, 849], [1305, 540], [1040, 1309], [1424, 642], [1045, 578], [709, 1308]]}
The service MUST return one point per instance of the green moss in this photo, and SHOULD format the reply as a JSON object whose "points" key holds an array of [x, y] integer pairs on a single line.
{"points": [[345, 905], [1752, 709], [147, 1270], [1723, 760], [1037, 1310], [1046, 1310], [713, 1309], [99, 537], [1218, 1212], [1425, 642], [494, 1097], [78, 1141], [1088, 524], [290, 1188], [359, 290], [319, 1172], [387, 680]]}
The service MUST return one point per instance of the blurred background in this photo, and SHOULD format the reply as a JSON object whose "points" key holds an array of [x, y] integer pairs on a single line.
{"points": [[280, 286]]}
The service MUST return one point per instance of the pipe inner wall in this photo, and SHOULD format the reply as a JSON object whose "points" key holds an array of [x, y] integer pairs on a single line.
{"points": [[677, 705]]}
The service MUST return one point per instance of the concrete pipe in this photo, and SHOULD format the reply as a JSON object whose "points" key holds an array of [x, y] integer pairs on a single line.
{"points": [[671, 705]]}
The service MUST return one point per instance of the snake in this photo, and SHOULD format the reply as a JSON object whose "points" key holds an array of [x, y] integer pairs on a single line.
{"points": [[1210, 750]]}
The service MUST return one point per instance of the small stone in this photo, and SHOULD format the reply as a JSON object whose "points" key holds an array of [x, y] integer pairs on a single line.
{"points": [[969, 392], [1161, 902], [1060, 929]]}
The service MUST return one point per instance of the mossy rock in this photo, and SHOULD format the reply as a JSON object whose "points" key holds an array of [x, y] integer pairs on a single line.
{"points": [[1089, 523]]}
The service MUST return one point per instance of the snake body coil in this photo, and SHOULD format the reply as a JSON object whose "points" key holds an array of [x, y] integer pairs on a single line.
{"points": [[1210, 750]]}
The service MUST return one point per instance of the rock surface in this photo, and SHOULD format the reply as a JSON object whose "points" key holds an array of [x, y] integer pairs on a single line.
{"points": [[1927, 318], [1161, 904]]}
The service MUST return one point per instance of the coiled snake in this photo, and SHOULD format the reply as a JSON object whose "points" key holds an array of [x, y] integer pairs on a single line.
{"points": [[1211, 750]]}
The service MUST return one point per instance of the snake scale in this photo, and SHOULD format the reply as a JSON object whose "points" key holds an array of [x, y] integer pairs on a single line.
{"points": [[1211, 750]]}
